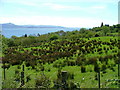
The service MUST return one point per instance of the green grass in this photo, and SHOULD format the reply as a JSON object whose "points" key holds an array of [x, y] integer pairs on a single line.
{"points": [[85, 80], [104, 38]]}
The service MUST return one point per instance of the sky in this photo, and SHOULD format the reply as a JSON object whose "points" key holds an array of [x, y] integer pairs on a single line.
{"points": [[68, 13]]}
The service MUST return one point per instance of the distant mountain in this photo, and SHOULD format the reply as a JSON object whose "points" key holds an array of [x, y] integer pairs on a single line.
{"points": [[11, 25], [8, 25]]}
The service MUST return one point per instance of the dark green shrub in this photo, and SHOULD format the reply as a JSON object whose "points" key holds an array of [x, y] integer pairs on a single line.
{"points": [[104, 67], [54, 37], [70, 76], [49, 70], [104, 72], [96, 77], [92, 60], [96, 35], [101, 59], [71, 63], [17, 71], [96, 68], [18, 67], [28, 78], [112, 69], [83, 69], [72, 86], [42, 82], [42, 68]]}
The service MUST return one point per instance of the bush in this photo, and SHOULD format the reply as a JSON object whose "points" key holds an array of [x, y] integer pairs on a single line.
{"points": [[96, 77], [92, 60], [72, 85], [83, 69], [103, 67], [96, 35], [17, 71], [54, 37], [42, 68], [70, 76], [42, 81], [10, 83], [18, 67], [62, 80], [96, 68], [48, 69], [28, 78], [71, 63], [11, 43]]}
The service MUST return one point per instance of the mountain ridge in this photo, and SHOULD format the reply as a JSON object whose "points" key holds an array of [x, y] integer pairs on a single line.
{"points": [[11, 25]]}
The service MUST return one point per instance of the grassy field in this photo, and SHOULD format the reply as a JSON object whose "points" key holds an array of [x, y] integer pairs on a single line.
{"points": [[85, 80], [81, 79]]}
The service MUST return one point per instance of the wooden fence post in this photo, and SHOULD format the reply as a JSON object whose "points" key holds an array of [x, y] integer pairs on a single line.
{"points": [[4, 72], [22, 76], [64, 78], [99, 79]]}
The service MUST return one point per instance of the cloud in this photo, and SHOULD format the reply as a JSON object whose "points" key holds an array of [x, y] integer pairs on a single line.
{"points": [[34, 2], [98, 1], [22, 2], [89, 21], [55, 6], [61, 7], [52, 4], [98, 7]]}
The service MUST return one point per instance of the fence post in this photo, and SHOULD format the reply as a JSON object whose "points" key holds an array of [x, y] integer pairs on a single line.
{"points": [[99, 79], [64, 78], [22, 76], [4, 72]]}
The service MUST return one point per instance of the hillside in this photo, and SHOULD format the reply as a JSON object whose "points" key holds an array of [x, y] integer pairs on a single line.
{"points": [[85, 58]]}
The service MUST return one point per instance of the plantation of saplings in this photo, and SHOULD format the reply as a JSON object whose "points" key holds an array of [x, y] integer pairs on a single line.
{"points": [[85, 58]]}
